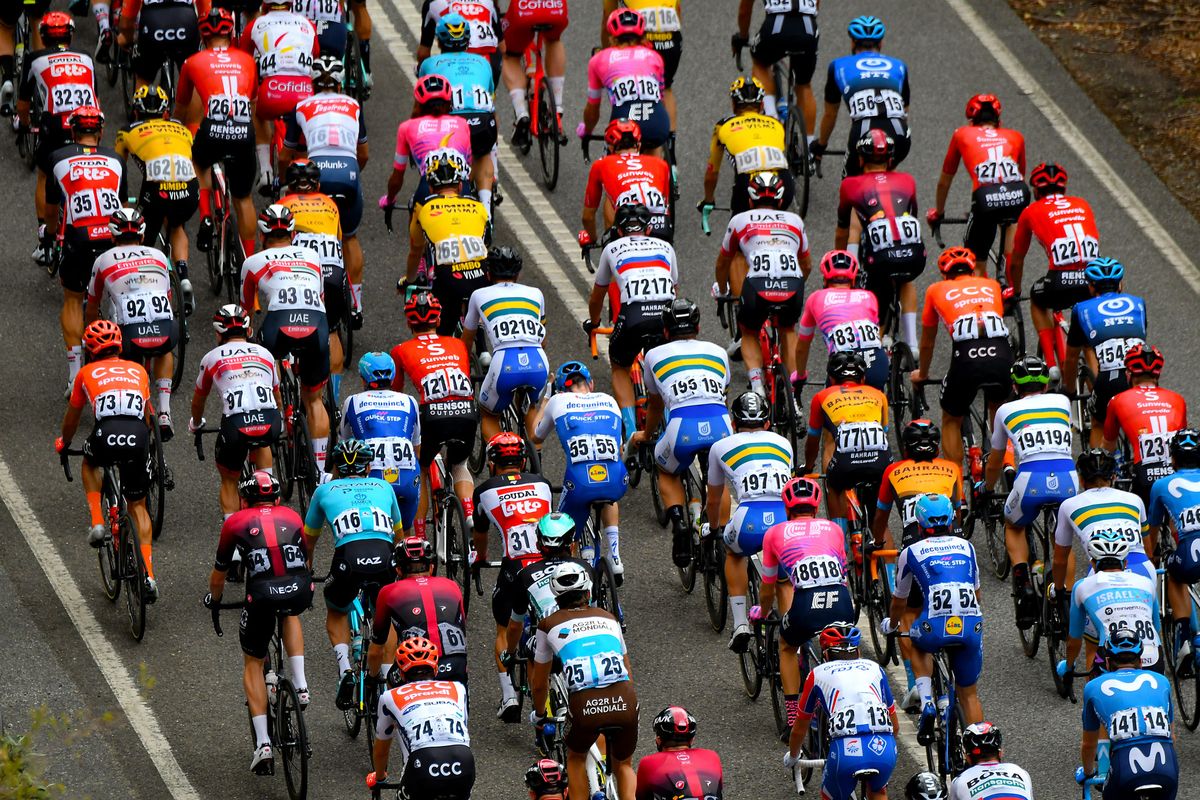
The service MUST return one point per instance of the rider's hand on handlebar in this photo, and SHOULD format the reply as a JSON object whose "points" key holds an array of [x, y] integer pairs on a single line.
{"points": [[194, 426], [705, 204], [934, 217], [738, 42], [588, 325], [816, 149], [384, 202], [60, 445], [790, 761], [210, 602], [584, 238], [581, 130], [887, 627]]}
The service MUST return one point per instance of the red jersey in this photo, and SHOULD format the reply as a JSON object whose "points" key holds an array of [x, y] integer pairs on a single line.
{"points": [[991, 155], [690, 773], [270, 539], [225, 79], [63, 80], [438, 366], [1064, 226], [89, 184], [628, 178], [1148, 416], [113, 387], [423, 606], [877, 195]]}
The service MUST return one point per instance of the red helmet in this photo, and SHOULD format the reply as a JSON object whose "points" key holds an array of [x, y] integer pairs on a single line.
{"points": [[87, 119], [101, 336], [765, 189], [840, 636], [57, 28], [839, 265], [259, 487], [414, 652], [956, 259], [626, 22], [1047, 175], [506, 449], [977, 103], [876, 145], [675, 724], [801, 493], [432, 88], [423, 308], [219, 22], [623, 134], [1142, 359]]}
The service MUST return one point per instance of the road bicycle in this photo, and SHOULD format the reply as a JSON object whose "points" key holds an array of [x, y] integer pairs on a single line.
{"points": [[1039, 536], [295, 464], [550, 731], [1184, 682], [602, 768], [27, 137], [179, 311], [358, 80], [858, 531], [593, 540], [451, 534], [544, 125], [225, 256], [662, 225], [944, 754], [876, 590], [695, 515], [712, 567], [363, 713], [640, 461]]}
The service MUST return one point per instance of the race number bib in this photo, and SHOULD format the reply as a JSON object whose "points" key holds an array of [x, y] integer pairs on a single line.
{"points": [[448, 382], [70, 96], [1111, 354], [170, 168], [323, 10], [872, 103], [646, 285], [593, 448], [119, 403], [482, 34], [988, 325], [883, 236], [247, 398], [1155, 447], [859, 335], [953, 600], [634, 88], [516, 327], [91, 203], [1131, 723], [459, 250], [762, 480], [661, 20], [773, 264], [645, 193], [454, 642], [814, 571], [1036, 440], [328, 248], [998, 170], [756, 159], [785, 6], [287, 59], [589, 672], [849, 719], [858, 437], [1074, 248], [392, 454], [694, 385], [361, 520], [229, 108], [143, 306], [344, 135]]}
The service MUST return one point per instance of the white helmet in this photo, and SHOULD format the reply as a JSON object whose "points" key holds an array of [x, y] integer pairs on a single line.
{"points": [[570, 577], [1107, 544]]}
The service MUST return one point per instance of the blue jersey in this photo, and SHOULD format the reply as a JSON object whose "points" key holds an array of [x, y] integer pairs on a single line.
{"points": [[945, 571], [871, 85], [470, 77], [1132, 705], [588, 427], [1177, 497], [1110, 325], [389, 422], [357, 509]]}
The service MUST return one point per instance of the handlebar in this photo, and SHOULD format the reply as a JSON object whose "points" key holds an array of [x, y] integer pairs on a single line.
{"points": [[936, 228], [64, 459], [197, 437], [705, 213], [379, 788], [737, 46], [217, 608], [599, 330], [585, 141], [826, 152]]}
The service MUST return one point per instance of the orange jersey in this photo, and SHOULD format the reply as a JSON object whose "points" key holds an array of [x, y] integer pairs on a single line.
{"points": [[1149, 417], [224, 78], [629, 178], [438, 366], [907, 479], [113, 387], [834, 406], [1064, 226], [969, 306], [991, 155]]}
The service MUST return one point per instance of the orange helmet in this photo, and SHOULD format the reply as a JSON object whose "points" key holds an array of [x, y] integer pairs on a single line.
{"points": [[101, 336], [414, 652], [956, 259]]}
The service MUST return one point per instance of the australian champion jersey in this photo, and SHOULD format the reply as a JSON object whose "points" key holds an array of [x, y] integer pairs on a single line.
{"points": [[1102, 509], [688, 373], [756, 464], [1039, 427], [512, 315]]}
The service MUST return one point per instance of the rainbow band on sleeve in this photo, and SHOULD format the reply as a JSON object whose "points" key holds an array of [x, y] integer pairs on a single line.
{"points": [[672, 364], [756, 451]]}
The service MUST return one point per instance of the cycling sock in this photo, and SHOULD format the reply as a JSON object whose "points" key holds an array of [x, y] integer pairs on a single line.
{"points": [[206, 203], [485, 197], [627, 418], [227, 516], [8, 66], [612, 534], [755, 377], [342, 653], [468, 507], [1046, 340], [364, 53], [262, 735], [925, 689], [297, 664], [737, 606], [791, 702], [146, 558], [519, 103], [74, 360], [842, 523], [93, 503], [163, 385], [908, 327], [356, 297], [320, 445], [556, 89], [769, 106], [908, 673], [506, 686], [263, 152], [100, 12], [675, 514]]}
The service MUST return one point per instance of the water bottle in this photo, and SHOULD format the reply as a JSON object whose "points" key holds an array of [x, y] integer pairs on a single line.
{"points": [[695, 511], [976, 462], [784, 106], [272, 686], [943, 702], [856, 547], [1037, 573], [356, 643]]}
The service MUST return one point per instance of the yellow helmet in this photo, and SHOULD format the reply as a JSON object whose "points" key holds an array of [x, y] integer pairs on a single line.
{"points": [[746, 91], [150, 101]]}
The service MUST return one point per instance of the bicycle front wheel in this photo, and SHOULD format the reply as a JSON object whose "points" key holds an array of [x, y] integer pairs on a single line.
{"points": [[606, 589], [156, 496], [797, 154], [548, 136], [716, 590], [693, 498], [900, 391], [879, 604], [304, 463], [181, 345], [1187, 692], [133, 574], [291, 738], [458, 545], [775, 675]]}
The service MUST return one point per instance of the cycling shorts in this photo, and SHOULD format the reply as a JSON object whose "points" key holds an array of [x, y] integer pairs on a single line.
{"points": [[278, 95], [689, 431], [960, 637], [506, 586], [165, 33], [365, 564], [612, 707], [746, 529], [124, 443], [652, 116], [169, 202], [452, 424], [148, 339], [993, 205], [265, 603], [301, 332], [977, 365], [894, 127], [332, 37], [1183, 565], [406, 483], [638, 328], [51, 136], [441, 772], [453, 290], [79, 253], [233, 144], [754, 308], [337, 293], [878, 367], [1141, 763], [588, 482], [511, 368], [846, 470], [11, 11], [340, 179], [852, 754], [1059, 289], [739, 200], [1144, 476], [1105, 387], [551, 19], [892, 265], [241, 433], [483, 133], [813, 609], [782, 34], [1039, 483]]}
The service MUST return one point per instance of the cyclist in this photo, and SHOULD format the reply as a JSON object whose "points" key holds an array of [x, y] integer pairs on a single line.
{"points": [[513, 500], [1173, 500], [431, 717], [633, 75], [940, 569], [433, 135], [1135, 707], [484, 19], [246, 378], [513, 318], [987, 777], [225, 80], [364, 515], [848, 319], [330, 127], [874, 88], [686, 382], [588, 425], [764, 258], [10, 15], [664, 24], [789, 29], [1147, 415], [438, 367], [330, 18], [755, 464], [522, 22], [87, 185], [884, 226], [419, 603], [1038, 424], [1066, 229], [856, 418], [855, 699], [279, 585], [167, 33], [473, 90], [646, 274], [389, 423], [995, 158], [588, 643], [546, 780], [1104, 328], [971, 308], [627, 177], [677, 768], [118, 393], [804, 562], [285, 281], [754, 142], [162, 149]]}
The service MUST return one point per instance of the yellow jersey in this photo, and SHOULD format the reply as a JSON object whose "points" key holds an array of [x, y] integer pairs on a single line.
{"points": [[318, 226], [456, 230], [753, 142], [162, 148], [662, 17]]}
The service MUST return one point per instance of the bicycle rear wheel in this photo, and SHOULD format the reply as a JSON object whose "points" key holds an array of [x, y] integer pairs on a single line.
{"points": [[110, 565], [993, 531], [133, 574], [304, 463], [1031, 638], [156, 496], [879, 597], [606, 589], [351, 717], [181, 345], [1187, 692], [784, 409], [716, 590], [231, 260], [899, 390], [749, 662], [797, 155], [774, 674], [457, 547], [547, 138], [693, 498], [291, 738], [660, 510], [1056, 645]]}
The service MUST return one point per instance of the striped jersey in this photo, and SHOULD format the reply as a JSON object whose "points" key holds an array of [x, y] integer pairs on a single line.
{"points": [[1102, 509], [243, 373], [773, 242], [512, 315], [756, 464], [1038, 425], [643, 267], [688, 373], [589, 645], [131, 284]]}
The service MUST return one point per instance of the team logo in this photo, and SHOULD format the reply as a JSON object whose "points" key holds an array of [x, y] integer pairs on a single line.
{"points": [[954, 626], [769, 518], [704, 428], [391, 474], [1116, 306], [597, 473], [876, 745], [872, 64]]}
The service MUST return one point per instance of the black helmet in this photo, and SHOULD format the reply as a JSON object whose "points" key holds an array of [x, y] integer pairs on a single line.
{"points": [[681, 318], [848, 365], [415, 551], [1185, 448], [503, 263], [1122, 642], [921, 440], [675, 724], [302, 172], [924, 786], [1029, 373], [632, 218], [1095, 463], [352, 457], [259, 487], [750, 410], [981, 737]]}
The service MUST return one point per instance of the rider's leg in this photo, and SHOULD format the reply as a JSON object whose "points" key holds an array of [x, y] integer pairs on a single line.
{"points": [[787, 348], [737, 579], [264, 132], [353, 260], [835, 501], [163, 369], [141, 520], [952, 446], [1043, 323], [230, 501], [318, 419], [556, 68], [337, 626], [256, 697], [293, 643], [752, 357], [908, 314], [622, 385], [968, 699], [71, 321], [610, 519], [577, 777], [513, 71], [247, 222], [766, 77]]}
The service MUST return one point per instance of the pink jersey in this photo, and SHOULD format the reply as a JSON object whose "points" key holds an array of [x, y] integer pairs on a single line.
{"points": [[420, 137], [630, 74], [812, 552], [847, 318]]}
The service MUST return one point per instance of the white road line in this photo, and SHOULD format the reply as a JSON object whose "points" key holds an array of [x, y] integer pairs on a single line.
{"points": [[119, 679], [1078, 142]]}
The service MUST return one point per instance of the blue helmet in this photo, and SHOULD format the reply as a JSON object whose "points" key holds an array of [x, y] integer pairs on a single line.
{"points": [[564, 378], [934, 513], [1122, 642], [376, 369], [453, 33], [1101, 270], [866, 29]]}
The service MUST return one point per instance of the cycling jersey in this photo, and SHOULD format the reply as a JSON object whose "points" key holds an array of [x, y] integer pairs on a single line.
{"points": [[773, 244], [112, 387], [811, 554], [991, 780], [1064, 226], [972, 310], [890, 243], [755, 465], [531, 592], [907, 480], [327, 124], [547, 18], [162, 148], [470, 79], [62, 80], [88, 184], [1176, 498], [691, 774], [753, 142], [630, 178], [226, 81], [1136, 708], [244, 375], [389, 422], [283, 279], [875, 90], [420, 138], [319, 228], [513, 318], [1106, 509], [131, 284], [589, 645], [848, 320], [514, 503], [328, 17], [427, 715], [283, 43], [691, 377], [357, 510], [456, 230], [633, 79], [1102, 602], [1039, 427], [991, 155], [645, 271], [481, 16], [425, 606], [1149, 416], [856, 418], [438, 367], [1108, 325]]}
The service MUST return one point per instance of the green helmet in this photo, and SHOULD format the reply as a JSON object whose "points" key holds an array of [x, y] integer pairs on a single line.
{"points": [[556, 531]]}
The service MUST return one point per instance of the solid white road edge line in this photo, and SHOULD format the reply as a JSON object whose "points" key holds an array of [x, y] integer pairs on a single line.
{"points": [[119, 679]]}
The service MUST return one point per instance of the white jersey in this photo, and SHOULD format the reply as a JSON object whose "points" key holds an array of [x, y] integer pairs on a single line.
{"points": [[331, 124], [755, 464], [1106, 601], [992, 781], [243, 373], [687, 372], [855, 696], [512, 315], [772, 241], [284, 279], [284, 42], [1102, 509], [425, 714], [644, 269], [132, 284], [1038, 425], [589, 645]]}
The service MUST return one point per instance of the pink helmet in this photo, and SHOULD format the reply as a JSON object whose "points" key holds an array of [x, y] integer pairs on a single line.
{"points": [[626, 22], [801, 493], [839, 265]]}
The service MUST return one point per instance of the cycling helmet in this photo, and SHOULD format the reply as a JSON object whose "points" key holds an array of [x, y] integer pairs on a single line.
{"points": [[848, 365], [1046, 176], [102, 337], [432, 89], [414, 551], [277, 5], [801, 493], [231, 318], [127, 223], [276, 219], [259, 487], [56, 28], [556, 531], [866, 29], [570, 578], [839, 265], [303, 176], [351, 457], [504, 263], [746, 90], [1029, 372], [423, 309], [1142, 359], [218, 22], [441, 172], [569, 374], [840, 637], [1104, 270], [750, 410], [681, 318], [631, 218], [981, 736], [934, 513], [924, 786], [921, 440], [1185, 448], [1105, 544], [506, 449], [149, 102], [626, 23], [453, 33], [87, 119], [984, 105], [955, 260], [1095, 462], [766, 189], [876, 147], [1122, 642], [377, 370], [547, 776], [416, 652], [623, 134], [675, 724], [329, 72]]}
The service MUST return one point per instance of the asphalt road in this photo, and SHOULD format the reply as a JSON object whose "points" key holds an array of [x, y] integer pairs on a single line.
{"points": [[190, 681]]}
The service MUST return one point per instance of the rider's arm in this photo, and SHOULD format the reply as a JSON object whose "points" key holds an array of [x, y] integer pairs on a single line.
{"points": [[379, 755], [816, 424], [883, 504], [1020, 247], [596, 302], [1091, 735], [362, 152], [713, 171], [716, 488], [833, 104], [995, 461], [845, 211], [544, 423], [314, 521], [126, 23], [654, 414], [539, 672], [199, 398], [75, 405], [416, 245], [593, 193], [809, 701], [903, 587], [744, 15], [1112, 426], [928, 340], [595, 90]]}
